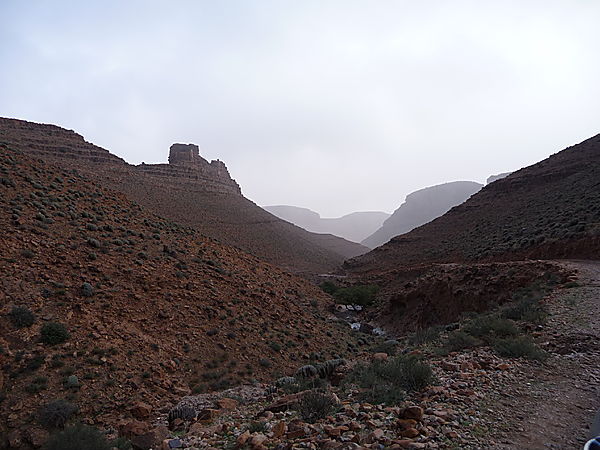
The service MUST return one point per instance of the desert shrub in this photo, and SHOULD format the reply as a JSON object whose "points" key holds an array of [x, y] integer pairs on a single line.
{"points": [[425, 335], [257, 427], [28, 253], [489, 328], [390, 347], [56, 414], [356, 295], [528, 310], [264, 362], [459, 340], [21, 317], [302, 384], [80, 437], [387, 381], [53, 333], [519, 347], [72, 382], [329, 287], [87, 290], [315, 405]]}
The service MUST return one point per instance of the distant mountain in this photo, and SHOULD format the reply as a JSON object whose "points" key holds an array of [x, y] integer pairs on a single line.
{"points": [[493, 178], [353, 227], [420, 207], [549, 210]]}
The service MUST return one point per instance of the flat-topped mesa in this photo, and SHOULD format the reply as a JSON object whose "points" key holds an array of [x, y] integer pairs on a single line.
{"points": [[184, 153], [187, 169]]}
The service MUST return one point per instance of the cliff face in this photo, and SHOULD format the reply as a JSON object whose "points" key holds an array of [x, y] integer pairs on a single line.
{"points": [[190, 190], [186, 168], [50, 141], [420, 207]]}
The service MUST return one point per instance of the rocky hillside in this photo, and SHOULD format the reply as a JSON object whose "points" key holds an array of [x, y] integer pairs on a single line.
{"points": [[548, 210], [354, 227], [189, 190], [107, 304], [420, 207]]}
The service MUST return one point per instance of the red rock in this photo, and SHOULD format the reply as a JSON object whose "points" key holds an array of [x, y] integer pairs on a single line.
{"points": [[404, 424], [380, 357], [354, 426], [227, 403], [410, 433], [295, 434], [208, 414], [375, 436], [243, 438], [412, 412], [140, 410], [452, 367], [279, 429], [257, 439], [130, 428]]}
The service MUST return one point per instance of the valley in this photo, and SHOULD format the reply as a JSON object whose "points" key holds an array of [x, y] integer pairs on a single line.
{"points": [[159, 305]]}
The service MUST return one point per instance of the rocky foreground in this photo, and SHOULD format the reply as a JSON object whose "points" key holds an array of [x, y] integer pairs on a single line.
{"points": [[475, 398]]}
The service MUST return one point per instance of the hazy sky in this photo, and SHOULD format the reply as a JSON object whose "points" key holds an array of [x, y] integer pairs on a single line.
{"points": [[337, 106]]}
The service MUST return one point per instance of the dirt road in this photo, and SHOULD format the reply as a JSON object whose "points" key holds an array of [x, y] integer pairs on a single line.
{"points": [[554, 405]]}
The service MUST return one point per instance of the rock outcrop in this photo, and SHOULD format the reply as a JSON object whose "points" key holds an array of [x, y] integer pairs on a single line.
{"points": [[420, 207], [190, 190], [493, 178]]}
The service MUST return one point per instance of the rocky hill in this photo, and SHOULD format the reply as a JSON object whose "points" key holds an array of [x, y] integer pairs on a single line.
{"points": [[354, 227], [107, 305], [499, 176], [548, 210], [420, 207], [189, 190]]}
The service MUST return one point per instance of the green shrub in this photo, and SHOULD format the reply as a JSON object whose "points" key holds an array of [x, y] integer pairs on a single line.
{"points": [[53, 333], [87, 290], [21, 317], [257, 427], [489, 328], [459, 340], [528, 310], [329, 287], [387, 381], [390, 347], [519, 347], [356, 295], [79, 437], [56, 414], [315, 405], [426, 335]]}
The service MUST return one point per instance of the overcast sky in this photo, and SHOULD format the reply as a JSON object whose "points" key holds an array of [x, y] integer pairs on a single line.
{"points": [[337, 106]]}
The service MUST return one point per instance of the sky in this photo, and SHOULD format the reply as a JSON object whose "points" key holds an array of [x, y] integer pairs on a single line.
{"points": [[333, 105]]}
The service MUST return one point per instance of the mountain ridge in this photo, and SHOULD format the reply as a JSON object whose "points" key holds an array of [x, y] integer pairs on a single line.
{"points": [[353, 226], [550, 209], [420, 207], [195, 193]]}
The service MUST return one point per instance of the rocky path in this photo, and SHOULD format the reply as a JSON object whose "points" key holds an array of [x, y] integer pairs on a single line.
{"points": [[553, 405]]}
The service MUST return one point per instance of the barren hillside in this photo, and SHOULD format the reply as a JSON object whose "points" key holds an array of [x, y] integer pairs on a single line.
{"points": [[189, 190]]}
